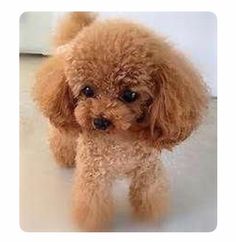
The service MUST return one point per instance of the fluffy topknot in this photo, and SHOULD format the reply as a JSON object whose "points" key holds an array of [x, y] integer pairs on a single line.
{"points": [[70, 25]]}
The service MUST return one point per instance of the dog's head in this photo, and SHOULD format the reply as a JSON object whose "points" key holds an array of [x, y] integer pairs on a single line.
{"points": [[116, 76]]}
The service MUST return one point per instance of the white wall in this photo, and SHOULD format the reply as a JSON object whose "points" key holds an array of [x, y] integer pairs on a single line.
{"points": [[35, 32], [195, 33]]}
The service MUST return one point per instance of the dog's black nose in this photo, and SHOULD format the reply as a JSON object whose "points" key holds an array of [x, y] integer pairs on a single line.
{"points": [[101, 123]]}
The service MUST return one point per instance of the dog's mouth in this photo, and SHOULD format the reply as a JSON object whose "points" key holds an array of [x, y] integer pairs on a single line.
{"points": [[141, 118]]}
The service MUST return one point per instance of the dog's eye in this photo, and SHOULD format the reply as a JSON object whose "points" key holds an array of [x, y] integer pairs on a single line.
{"points": [[88, 91], [128, 96]]}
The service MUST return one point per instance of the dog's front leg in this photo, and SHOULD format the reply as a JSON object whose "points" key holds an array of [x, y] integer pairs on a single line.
{"points": [[92, 198], [149, 193]]}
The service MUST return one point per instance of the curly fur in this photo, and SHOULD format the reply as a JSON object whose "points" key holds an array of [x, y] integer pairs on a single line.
{"points": [[111, 56]]}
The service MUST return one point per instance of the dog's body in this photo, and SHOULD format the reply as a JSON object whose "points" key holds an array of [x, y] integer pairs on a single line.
{"points": [[116, 95], [102, 158]]}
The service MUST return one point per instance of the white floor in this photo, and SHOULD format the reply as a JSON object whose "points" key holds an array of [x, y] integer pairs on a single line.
{"points": [[45, 187]]}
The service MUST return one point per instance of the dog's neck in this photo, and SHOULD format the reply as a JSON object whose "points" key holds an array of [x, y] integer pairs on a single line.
{"points": [[122, 139]]}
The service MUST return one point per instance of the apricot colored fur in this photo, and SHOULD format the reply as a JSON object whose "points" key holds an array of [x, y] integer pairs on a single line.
{"points": [[111, 56]]}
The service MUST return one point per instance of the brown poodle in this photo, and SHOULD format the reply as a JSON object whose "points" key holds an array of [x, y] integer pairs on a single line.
{"points": [[116, 94]]}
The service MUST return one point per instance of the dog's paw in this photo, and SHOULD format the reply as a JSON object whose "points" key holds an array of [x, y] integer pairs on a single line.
{"points": [[92, 217], [152, 208]]}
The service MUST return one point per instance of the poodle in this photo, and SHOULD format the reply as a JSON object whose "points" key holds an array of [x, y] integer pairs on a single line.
{"points": [[116, 94]]}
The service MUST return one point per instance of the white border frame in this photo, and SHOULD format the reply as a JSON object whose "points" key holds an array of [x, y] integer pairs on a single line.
{"points": [[9, 208]]}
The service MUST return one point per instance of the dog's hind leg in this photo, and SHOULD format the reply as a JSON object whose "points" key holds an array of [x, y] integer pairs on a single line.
{"points": [[63, 146]]}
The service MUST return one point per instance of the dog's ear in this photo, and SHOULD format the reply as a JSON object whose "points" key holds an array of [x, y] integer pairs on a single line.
{"points": [[181, 97], [53, 95], [69, 26], [51, 91]]}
